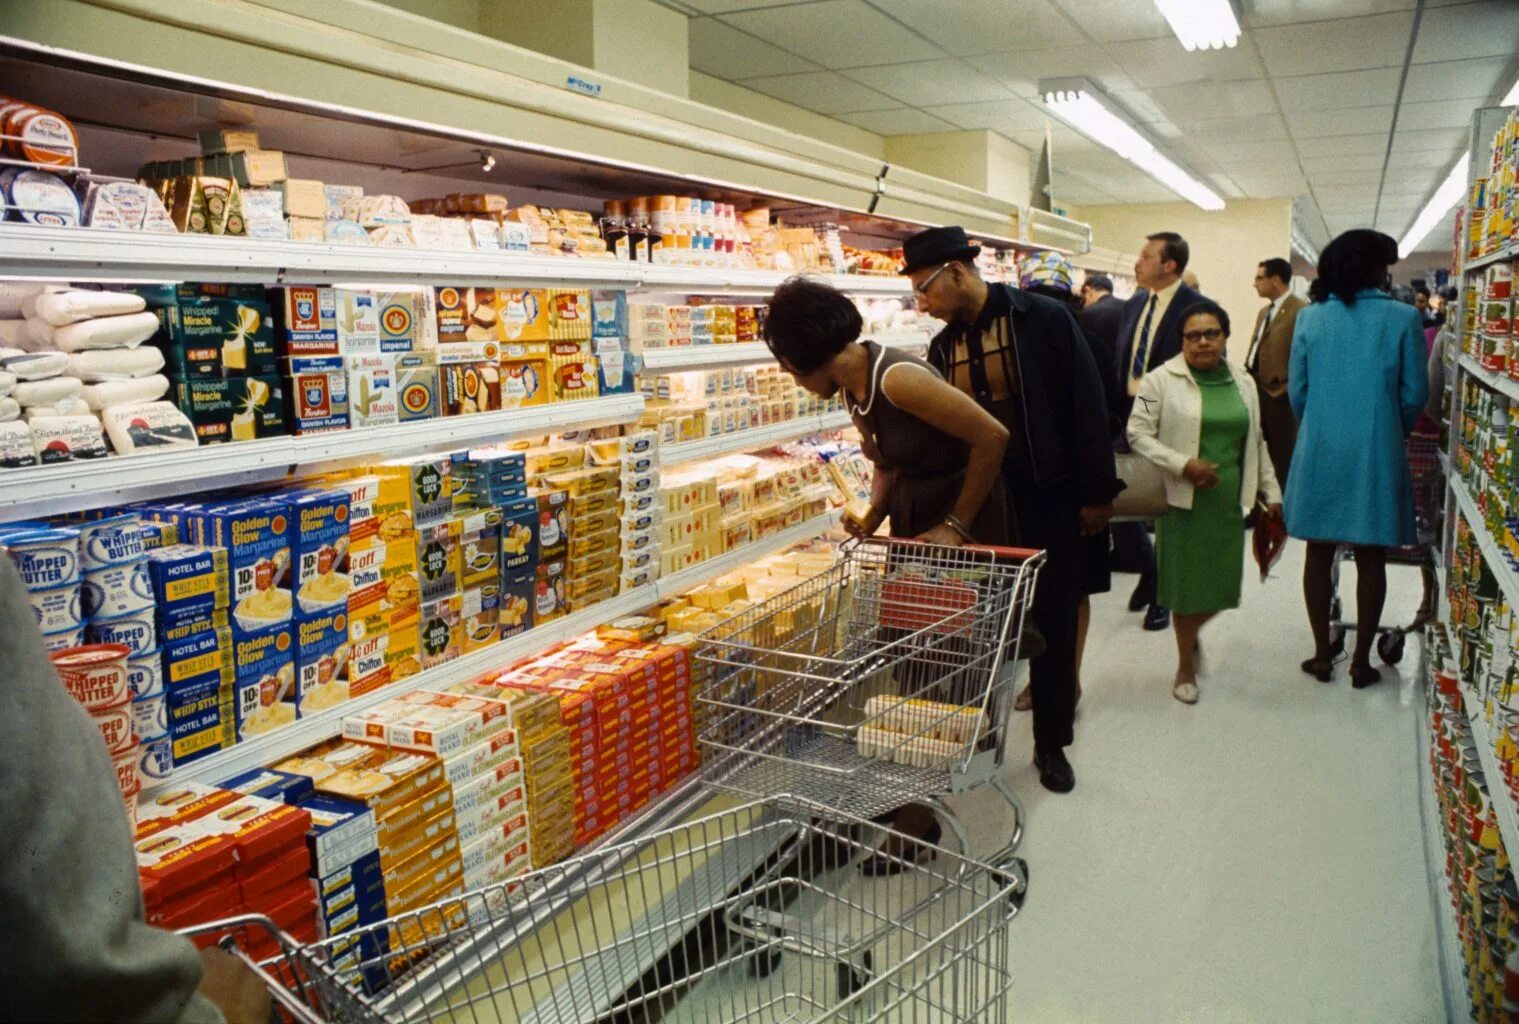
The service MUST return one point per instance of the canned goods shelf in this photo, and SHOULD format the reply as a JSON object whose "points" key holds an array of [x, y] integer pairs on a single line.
{"points": [[1497, 783], [49, 490], [1508, 252], [757, 437], [1507, 579], [1447, 934], [1494, 381]]}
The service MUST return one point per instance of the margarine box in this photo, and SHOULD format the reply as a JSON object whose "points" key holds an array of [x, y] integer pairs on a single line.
{"points": [[306, 320], [264, 673], [321, 658], [408, 321], [481, 610], [357, 321], [520, 529], [523, 314], [187, 580], [338, 827], [549, 591], [382, 780], [482, 758], [213, 337], [286, 787], [201, 714], [382, 578], [383, 656], [479, 547], [609, 314], [201, 656], [418, 386], [440, 630], [316, 393], [553, 522], [355, 891], [466, 314], [438, 562], [318, 544], [257, 536], [517, 602], [234, 409], [427, 482], [373, 394], [473, 790]]}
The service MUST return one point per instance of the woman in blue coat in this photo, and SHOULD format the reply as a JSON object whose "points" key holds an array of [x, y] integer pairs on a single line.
{"points": [[1357, 381]]}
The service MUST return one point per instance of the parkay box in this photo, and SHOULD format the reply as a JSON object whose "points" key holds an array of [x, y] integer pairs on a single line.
{"points": [[521, 546]]}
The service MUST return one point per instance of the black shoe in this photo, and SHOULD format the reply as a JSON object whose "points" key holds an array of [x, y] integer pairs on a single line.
{"points": [[1055, 772], [1362, 676], [1144, 592], [1157, 618], [912, 854]]}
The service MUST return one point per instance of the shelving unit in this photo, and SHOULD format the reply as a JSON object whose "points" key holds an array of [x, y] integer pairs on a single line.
{"points": [[1452, 972], [50, 490], [262, 750], [745, 440], [706, 357], [1508, 252], [1494, 381]]}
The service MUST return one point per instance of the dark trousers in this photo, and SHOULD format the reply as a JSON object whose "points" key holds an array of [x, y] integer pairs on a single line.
{"points": [[1280, 428], [1048, 518], [1133, 550]]}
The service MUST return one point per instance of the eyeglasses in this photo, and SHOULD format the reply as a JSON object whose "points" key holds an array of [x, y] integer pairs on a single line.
{"points": [[922, 289], [1212, 334]]}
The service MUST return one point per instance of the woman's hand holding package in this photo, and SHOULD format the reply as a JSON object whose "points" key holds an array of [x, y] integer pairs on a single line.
{"points": [[1201, 474]]}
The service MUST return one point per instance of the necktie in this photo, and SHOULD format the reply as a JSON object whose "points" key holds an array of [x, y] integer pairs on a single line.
{"points": [[1142, 350], [1253, 360]]}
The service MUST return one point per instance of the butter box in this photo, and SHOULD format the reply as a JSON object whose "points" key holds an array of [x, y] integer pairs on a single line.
{"points": [[234, 409], [373, 397], [517, 601], [520, 545], [481, 610], [549, 591], [523, 314], [407, 322], [257, 536], [306, 319], [219, 337], [284, 787], [318, 543], [316, 394], [383, 656], [341, 834], [321, 660], [382, 780], [609, 314], [201, 717], [382, 580], [553, 523], [418, 387], [204, 656], [189, 581], [440, 630], [264, 674], [438, 558]]}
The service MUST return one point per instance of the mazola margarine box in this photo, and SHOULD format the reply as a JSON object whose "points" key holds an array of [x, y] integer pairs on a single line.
{"points": [[318, 546], [373, 399], [264, 677], [358, 322], [257, 536], [321, 660]]}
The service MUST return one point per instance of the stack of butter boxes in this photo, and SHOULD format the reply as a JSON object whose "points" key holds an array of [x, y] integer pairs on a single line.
{"points": [[545, 741], [320, 518], [459, 566], [311, 362], [388, 340], [494, 482], [574, 371], [640, 514], [690, 529], [609, 343]]}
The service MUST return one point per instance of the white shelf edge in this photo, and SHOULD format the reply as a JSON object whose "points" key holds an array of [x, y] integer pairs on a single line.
{"points": [[66, 487], [700, 357], [1509, 388], [261, 750], [1508, 252], [1452, 969], [755, 437], [1498, 792]]}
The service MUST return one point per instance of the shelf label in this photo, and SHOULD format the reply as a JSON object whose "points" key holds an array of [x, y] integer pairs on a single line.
{"points": [[580, 85]]}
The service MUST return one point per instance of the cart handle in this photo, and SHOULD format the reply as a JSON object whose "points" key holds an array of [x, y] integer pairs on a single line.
{"points": [[1011, 554], [297, 1008]]}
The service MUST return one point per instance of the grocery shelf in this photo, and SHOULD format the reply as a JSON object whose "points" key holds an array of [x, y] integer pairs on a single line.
{"points": [[1447, 934], [1508, 252], [67, 487], [702, 357], [88, 254], [755, 437], [1495, 381], [1508, 579], [1497, 789], [261, 750]]}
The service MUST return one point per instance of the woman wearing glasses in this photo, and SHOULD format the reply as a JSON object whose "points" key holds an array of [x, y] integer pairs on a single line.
{"points": [[1197, 417]]}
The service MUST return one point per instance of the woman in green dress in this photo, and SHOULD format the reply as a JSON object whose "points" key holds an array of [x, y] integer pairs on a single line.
{"points": [[1197, 417]]}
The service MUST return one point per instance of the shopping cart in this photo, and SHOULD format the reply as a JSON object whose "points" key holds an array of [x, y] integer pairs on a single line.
{"points": [[878, 683], [1429, 508], [681, 926]]}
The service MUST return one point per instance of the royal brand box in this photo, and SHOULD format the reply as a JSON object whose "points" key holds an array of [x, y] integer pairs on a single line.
{"points": [[306, 320], [316, 394], [264, 673], [218, 337], [321, 660]]}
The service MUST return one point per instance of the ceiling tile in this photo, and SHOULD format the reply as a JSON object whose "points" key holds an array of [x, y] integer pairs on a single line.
{"points": [[1476, 80], [1158, 62], [1405, 179], [1345, 44], [966, 27], [1021, 71], [1113, 21], [822, 91], [1359, 183], [1285, 12], [1183, 103], [1317, 124], [836, 33], [1251, 128], [1269, 150], [1031, 139], [901, 121], [1071, 190], [1283, 165], [1141, 107], [932, 82], [1270, 186], [1343, 145], [1469, 30], [1338, 91], [724, 6], [1007, 117], [721, 50], [1436, 114], [1359, 162]]}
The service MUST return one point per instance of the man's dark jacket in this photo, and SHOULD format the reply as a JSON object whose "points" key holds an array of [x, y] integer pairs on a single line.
{"points": [[1165, 336]]}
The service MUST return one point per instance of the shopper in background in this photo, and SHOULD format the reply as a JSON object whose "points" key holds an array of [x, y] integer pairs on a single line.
{"points": [[1050, 274], [1268, 356], [1149, 335], [73, 944], [1428, 315], [1101, 312], [1023, 359], [1198, 419], [937, 454], [1357, 382], [1189, 278]]}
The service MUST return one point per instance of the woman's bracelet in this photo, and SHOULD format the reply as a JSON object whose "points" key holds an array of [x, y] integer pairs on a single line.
{"points": [[953, 522]]}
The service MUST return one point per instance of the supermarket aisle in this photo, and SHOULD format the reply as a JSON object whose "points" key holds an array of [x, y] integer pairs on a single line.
{"points": [[1253, 858]]}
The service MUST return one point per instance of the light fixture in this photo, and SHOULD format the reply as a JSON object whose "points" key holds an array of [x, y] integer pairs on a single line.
{"points": [[1446, 196], [487, 161], [1302, 246], [1510, 98], [1077, 103], [1202, 24]]}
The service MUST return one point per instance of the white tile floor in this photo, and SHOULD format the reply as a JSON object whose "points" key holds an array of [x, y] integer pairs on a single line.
{"points": [[1255, 858]]}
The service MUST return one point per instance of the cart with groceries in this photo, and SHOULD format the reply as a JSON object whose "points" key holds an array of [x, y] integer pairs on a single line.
{"points": [[883, 681]]}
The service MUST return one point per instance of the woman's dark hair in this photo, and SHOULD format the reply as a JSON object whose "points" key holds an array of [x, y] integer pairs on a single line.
{"points": [[1205, 306], [1355, 260], [808, 322], [1063, 296]]}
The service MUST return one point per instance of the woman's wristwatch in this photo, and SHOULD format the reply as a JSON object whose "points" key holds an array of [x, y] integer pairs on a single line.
{"points": [[953, 522]]}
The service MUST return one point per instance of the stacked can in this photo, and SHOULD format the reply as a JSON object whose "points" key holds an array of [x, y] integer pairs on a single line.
{"points": [[96, 676], [48, 559]]}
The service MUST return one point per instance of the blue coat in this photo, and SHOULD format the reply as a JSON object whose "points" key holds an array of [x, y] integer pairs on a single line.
{"points": [[1357, 380]]}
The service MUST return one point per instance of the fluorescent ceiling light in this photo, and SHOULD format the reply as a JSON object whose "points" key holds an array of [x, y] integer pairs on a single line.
{"points": [[1446, 196], [1201, 24], [1510, 98], [1080, 108]]}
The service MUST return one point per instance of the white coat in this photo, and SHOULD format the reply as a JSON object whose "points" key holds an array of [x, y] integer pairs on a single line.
{"points": [[1166, 429]]}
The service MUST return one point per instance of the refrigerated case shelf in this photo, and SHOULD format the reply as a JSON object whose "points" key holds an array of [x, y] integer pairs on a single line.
{"points": [[747, 440], [1508, 252], [704, 357], [1492, 380]]}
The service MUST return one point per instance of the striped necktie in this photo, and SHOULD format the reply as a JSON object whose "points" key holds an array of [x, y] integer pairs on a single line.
{"points": [[1142, 350]]}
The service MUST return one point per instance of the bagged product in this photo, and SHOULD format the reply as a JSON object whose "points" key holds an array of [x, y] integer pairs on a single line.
{"points": [[64, 438], [13, 294], [115, 364], [7, 383], [16, 445], [33, 365], [124, 392], [16, 334], [62, 407], [10, 409], [46, 392], [148, 426], [67, 307], [106, 332]]}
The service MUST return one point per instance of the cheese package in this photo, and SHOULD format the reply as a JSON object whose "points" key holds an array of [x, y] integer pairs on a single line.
{"points": [[16, 449], [303, 198], [100, 365]]}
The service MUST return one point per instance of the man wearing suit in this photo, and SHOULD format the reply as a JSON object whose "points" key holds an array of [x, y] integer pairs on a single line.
{"points": [[1149, 334], [1266, 360], [1100, 311]]}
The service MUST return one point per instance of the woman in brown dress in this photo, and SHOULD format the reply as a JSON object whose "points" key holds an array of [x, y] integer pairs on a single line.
{"points": [[937, 454]]}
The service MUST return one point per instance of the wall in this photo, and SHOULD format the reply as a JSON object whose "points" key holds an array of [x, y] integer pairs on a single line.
{"points": [[465, 14], [983, 160], [715, 92], [1226, 246]]}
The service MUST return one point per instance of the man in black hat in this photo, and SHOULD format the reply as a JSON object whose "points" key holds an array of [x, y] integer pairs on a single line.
{"points": [[1023, 358]]}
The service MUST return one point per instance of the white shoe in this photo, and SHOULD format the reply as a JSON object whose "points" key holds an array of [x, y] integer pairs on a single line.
{"points": [[1185, 692]]}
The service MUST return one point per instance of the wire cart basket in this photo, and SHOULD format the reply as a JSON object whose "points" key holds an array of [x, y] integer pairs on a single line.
{"points": [[880, 682], [681, 926]]}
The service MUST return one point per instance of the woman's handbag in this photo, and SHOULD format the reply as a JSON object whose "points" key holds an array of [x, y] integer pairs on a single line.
{"points": [[1144, 488]]}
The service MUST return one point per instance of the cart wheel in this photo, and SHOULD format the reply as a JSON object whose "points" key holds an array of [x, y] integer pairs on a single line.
{"points": [[1390, 647], [1020, 893], [852, 978], [1336, 640], [763, 962]]}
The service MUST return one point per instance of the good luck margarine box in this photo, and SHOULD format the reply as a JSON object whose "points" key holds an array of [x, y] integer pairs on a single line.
{"points": [[264, 675]]}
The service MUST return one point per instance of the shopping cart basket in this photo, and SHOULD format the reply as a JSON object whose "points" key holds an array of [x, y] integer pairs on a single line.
{"points": [[1429, 489], [880, 682], [682, 926]]}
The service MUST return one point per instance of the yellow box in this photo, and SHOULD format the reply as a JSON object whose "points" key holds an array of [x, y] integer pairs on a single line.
{"points": [[558, 459], [382, 579], [586, 481], [590, 503], [580, 586], [524, 314], [524, 383], [600, 562], [582, 545], [597, 522], [673, 559]]}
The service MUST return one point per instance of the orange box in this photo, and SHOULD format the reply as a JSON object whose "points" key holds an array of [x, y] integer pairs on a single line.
{"points": [[419, 865], [382, 780], [396, 848], [410, 814]]}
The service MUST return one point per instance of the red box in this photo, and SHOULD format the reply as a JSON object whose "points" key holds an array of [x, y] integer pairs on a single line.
{"points": [[216, 899], [269, 874]]}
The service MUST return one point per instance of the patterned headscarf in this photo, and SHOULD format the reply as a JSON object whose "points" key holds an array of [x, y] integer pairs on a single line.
{"points": [[1047, 268]]}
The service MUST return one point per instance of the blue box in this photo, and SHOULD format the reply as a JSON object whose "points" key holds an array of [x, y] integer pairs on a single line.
{"points": [[320, 534], [359, 886], [516, 602], [257, 535], [519, 536], [206, 655], [201, 718], [188, 582], [286, 787], [263, 665], [609, 313], [174, 628], [321, 660]]}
